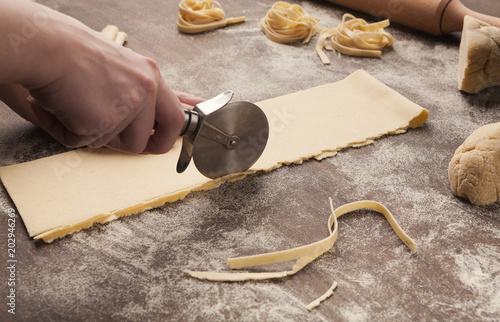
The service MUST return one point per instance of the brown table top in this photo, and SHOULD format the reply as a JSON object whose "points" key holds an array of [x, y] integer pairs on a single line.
{"points": [[132, 269]]}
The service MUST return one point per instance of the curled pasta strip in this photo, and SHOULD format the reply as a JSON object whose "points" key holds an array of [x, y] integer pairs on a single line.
{"points": [[112, 33], [198, 16], [355, 37], [286, 23], [303, 254]]}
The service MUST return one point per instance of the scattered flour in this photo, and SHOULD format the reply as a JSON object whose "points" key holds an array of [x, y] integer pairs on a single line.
{"points": [[479, 271]]}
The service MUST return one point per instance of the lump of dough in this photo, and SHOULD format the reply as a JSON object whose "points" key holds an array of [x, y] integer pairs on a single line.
{"points": [[479, 59], [474, 170]]}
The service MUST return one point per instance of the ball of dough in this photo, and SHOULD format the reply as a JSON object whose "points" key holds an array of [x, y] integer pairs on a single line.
{"points": [[474, 170]]}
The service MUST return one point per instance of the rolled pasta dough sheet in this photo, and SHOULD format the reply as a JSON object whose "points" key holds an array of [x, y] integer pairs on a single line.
{"points": [[62, 194]]}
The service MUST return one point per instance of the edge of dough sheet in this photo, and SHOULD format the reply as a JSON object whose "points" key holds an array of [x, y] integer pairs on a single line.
{"points": [[62, 194]]}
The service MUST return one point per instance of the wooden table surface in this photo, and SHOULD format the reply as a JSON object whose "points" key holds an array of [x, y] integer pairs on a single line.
{"points": [[132, 269]]}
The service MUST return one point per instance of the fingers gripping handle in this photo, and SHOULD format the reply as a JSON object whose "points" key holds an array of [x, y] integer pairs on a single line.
{"points": [[192, 123]]}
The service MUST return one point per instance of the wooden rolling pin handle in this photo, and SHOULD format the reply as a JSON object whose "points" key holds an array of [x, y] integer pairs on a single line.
{"points": [[433, 16], [454, 13]]}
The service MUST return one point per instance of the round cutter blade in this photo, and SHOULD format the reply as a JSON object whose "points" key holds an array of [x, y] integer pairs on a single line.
{"points": [[244, 121]]}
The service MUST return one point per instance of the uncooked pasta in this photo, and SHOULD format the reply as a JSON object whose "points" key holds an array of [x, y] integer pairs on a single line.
{"points": [[355, 37], [198, 16], [303, 254], [286, 23]]}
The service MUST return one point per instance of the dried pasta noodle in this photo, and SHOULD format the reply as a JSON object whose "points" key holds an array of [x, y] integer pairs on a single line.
{"points": [[355, 37], [303, 254], [286, 23], [198, 16], [112, 33]]}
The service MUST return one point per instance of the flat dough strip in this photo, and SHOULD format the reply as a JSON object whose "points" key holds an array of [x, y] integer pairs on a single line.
{"points": [[198, 16], [355, 37], [61, 194], [304, 254], [286, 23]]}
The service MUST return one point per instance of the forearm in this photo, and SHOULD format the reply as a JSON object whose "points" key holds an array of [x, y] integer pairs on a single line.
{"points": [[28, 50], [86, 89], [33, 51]]}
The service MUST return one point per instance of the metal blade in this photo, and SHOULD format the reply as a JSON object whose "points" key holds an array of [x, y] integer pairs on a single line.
{"points": [[213, 104], [243, 120]]}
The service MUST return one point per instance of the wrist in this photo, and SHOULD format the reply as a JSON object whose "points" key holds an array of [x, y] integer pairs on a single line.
{"points": [[31, 44]]}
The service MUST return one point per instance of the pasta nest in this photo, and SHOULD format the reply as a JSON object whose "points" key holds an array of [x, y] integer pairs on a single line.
{"points": [[198, 16], [286, 23], [200, 12], [356, 37]]}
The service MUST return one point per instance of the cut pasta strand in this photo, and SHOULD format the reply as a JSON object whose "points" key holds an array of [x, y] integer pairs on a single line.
{"points": [[198, 16], [112, 33], [323, 297], [304, 254]]}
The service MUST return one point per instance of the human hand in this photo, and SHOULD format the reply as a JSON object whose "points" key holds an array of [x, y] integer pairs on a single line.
{"points": [[85, 89], [15, 96], [107, 95]]}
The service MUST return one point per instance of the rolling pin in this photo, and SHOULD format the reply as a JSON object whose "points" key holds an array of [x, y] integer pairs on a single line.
{"points": [[436, 17]]}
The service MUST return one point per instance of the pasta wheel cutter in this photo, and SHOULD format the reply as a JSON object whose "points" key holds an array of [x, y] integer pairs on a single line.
{"points": [[222, 137]]}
